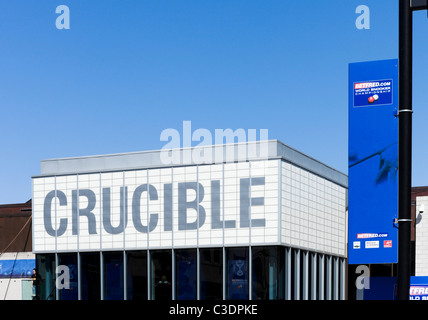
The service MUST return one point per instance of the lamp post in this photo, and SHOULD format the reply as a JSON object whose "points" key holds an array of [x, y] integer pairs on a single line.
{"points": [[406, 8], [404, 147]]}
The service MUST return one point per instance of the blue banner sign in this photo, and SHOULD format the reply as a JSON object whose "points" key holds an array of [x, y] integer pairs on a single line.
{"points": [[418, 292], [373, 162], [17, 268], [385, 288]]}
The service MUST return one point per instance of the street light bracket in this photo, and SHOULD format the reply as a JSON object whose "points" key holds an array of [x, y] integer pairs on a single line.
{"points": [[396, 222], [418, 4], [405, 110]]}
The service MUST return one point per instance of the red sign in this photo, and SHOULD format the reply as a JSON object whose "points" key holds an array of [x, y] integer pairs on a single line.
{"points": [[387, 243]]}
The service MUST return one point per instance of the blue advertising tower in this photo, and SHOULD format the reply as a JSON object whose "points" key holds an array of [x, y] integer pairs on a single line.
{"points": [[373, 162]]}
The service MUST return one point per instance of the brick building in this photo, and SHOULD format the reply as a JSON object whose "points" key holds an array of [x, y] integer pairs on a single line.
{"points": [[16, 259]]}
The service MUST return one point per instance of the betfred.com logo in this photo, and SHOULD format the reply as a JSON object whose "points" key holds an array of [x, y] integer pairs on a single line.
{"points": [[371, 235]]}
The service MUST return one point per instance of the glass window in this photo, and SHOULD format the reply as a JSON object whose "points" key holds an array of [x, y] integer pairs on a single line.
{"points": [[90, 273], [295, 277], [237, 273], [70, 291], [185, 271], [113, 276], [137, 275], [160, 275], [211, 278], [44, 277], [268, 273]]}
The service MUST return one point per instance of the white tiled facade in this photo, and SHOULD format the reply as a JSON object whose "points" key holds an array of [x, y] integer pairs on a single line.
{"points": [[290, 205], [313, 212], [421, 250]]}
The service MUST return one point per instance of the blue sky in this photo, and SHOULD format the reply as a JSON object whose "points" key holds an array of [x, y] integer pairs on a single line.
{"points": [[126, 70]]}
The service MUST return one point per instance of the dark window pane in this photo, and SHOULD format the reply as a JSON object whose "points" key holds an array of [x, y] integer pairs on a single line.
{"points": [[161, 274], [90, 273], [44, 280], [113, 275], [268, 273], [185, 267], [69, 261], [137, 275], [237, 273], [211, 269]]}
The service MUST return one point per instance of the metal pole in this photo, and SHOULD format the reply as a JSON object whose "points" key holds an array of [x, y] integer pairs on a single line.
{"points": [[405, 148]]}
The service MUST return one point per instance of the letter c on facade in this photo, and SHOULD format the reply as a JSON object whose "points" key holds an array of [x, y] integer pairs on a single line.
{"points": [[47, 210]]}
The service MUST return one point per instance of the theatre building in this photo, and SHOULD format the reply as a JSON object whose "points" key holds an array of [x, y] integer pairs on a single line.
{"points": [[255, 220]]}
